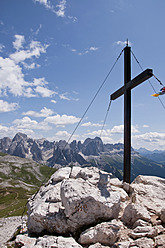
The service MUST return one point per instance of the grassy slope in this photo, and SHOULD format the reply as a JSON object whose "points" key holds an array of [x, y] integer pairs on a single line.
{"points": [[19, 179]]}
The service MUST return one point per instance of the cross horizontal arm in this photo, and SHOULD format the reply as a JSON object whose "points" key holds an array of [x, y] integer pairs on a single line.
{"points": [[133, 83]]}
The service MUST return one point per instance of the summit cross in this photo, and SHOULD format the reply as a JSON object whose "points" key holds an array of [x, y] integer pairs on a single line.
{"points": [[126, 90]]}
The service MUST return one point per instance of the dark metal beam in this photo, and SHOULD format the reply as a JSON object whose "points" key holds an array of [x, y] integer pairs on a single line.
{"points": [[133, 83], [127, 115]]}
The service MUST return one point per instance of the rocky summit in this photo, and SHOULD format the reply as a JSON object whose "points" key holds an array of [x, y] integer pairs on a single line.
{"points": [[88, 207]]}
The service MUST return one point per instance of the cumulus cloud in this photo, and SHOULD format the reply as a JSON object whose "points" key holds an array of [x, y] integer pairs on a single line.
{"points": [[35, 49], [61, 8], [27, 123], [12, 78], [45, 112], [43, 91], [46, 3], [123, 43], [7, 107], [151, 137], [93, 48], [120, 129], [151, 140], [53, 101], [62, 120], [18, 43], [89, 124], [63, 135]]}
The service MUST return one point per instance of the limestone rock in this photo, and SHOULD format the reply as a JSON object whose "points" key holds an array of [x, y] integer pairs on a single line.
{"points": [[60, 174], [65, 204], [141, 223], [45, 211], [46, 242], [105, 233], [22, 240], [149, 191], [144, 231], [98, 245], [57, 242], [160, 241], [142, 243], [124, 244], [122, 192], [85, 203], [162, 215], [133, 212]]}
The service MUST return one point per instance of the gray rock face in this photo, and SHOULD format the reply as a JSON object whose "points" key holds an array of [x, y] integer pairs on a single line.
{"points": [[162, 215], [153, 188], [66, 204], [133, 212], [105, 233], [46, 242]]}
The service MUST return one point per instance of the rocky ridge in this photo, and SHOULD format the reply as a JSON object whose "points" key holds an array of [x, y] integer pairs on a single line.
{"points": [[87, 207], [92, 152]]}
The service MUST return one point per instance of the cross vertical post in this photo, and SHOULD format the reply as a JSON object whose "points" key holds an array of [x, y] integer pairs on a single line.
{"points": [[127, 116], [126, 90]]}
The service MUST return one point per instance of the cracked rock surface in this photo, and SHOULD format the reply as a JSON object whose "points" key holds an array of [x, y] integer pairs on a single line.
{"points": [[87, 207]]}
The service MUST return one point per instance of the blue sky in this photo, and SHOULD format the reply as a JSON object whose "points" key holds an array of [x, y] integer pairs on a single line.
{"points": [[54, 55]]}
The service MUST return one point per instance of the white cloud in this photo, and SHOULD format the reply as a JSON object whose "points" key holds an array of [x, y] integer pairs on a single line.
{"points": [[151, 137], [93, 48], [120, 129], [150, 140], [27, 123], [45, 112], [62, 120], [46, 3], [61, 8], [123, 43], [7, 107], [12, 78], [18, 43], [89, 124], [44, 92], [83, 52], [145, 126], [53, 101], [73, 18], [1, 47], [30, 66], [35, 50], [63, 135], [95, 133], [64, 97]]}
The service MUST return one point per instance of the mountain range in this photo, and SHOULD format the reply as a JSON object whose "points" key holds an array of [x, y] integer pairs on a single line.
{"points": [[92, 152]]}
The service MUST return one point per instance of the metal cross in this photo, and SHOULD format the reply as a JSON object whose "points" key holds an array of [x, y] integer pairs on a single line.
{"points": [[126, 90]]}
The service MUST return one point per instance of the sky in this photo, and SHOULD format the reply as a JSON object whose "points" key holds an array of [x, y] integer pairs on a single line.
{"points": [[54, 56]]}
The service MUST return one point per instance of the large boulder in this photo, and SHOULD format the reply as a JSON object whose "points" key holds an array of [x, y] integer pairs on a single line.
{"points": [[66, 204], [105, 233], [149, 191], [134, 212]]}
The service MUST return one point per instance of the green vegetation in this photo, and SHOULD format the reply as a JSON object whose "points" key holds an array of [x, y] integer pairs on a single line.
{"points": [[2, 154], [18, 182]]}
